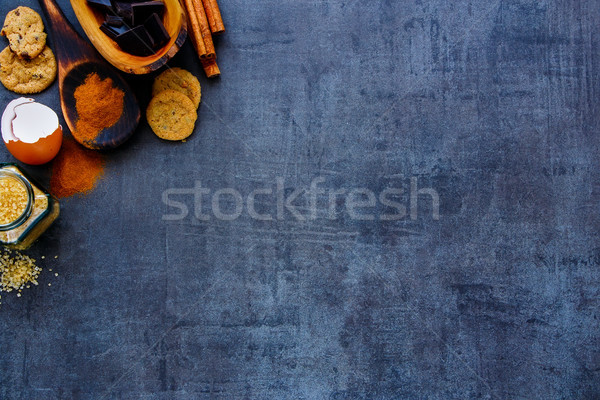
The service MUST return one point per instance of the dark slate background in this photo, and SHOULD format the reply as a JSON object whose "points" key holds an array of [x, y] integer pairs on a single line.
{"points": [[494, 104]]}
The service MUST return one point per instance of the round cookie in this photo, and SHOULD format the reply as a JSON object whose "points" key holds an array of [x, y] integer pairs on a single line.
{"points": [[171, 115], [25, 32], [27, 77], [180, 80]]}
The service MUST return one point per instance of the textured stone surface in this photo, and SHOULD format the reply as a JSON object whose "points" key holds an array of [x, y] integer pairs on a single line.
{"points": [[494, 104]]}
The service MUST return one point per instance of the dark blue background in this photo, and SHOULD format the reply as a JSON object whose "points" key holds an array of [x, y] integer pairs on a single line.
{"points": [[494, 104]]}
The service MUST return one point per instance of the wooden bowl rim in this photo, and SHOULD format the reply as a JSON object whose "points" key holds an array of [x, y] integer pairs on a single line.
{"points": [[134, 64]]}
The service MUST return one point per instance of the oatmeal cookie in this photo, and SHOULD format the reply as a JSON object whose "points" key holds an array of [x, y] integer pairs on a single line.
{"points": [[171, 115], [180, 80]]}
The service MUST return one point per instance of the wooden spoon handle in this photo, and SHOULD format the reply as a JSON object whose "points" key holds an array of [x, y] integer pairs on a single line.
{"points": [[70, 47]]}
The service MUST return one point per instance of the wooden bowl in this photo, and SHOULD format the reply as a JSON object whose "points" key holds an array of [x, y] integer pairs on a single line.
{"points": [[174, 21]]}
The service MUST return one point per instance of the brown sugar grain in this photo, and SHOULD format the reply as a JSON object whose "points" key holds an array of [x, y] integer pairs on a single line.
{"points": [[13, 200], [17, 271]]}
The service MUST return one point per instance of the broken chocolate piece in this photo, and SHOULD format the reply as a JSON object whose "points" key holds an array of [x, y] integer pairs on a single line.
{"points": [[157, 31], [136, 41], [113, 31], [104, 6], [125, 11], [142, 11], [148, 33], [114, 20], [108, 31]]}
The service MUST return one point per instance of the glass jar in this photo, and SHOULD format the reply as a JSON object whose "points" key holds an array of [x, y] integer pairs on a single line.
{"points": [[26, 210]]}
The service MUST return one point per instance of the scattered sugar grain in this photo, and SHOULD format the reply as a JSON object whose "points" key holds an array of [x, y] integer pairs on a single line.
{"points": [[17, 271]]}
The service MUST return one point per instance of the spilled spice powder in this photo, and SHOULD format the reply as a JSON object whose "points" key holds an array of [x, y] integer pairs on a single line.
{"points": [[75, 170], [99, 106]]}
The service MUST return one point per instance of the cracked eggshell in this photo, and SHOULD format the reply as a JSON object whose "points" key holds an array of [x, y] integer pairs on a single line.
{"points": [[31, 131]]}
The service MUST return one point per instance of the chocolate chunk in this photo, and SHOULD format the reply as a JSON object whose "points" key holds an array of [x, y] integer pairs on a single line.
{"points": [[157, 31], [136, 41], [113, 31], [104, 6], [108, 31], [142, 11], [114, 20], [125, 11]]}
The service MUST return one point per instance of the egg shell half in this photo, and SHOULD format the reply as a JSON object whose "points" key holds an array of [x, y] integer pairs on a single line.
{"points": [[31, 131]]}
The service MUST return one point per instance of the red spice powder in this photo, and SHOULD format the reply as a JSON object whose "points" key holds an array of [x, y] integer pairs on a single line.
{"points": [[75, 170], [99, 106]]}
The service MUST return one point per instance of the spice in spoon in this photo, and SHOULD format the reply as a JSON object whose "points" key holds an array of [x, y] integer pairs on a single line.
{"points": [[99, 106]]}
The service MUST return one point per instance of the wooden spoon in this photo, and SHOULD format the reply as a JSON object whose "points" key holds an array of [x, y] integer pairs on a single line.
{"points": [[76, 60]]}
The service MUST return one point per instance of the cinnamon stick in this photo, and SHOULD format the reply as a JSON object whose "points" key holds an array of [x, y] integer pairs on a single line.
{"points": [[201, 36], [194, 29], [213, 14], [211, 69], [199, 29], [204, 28]]}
